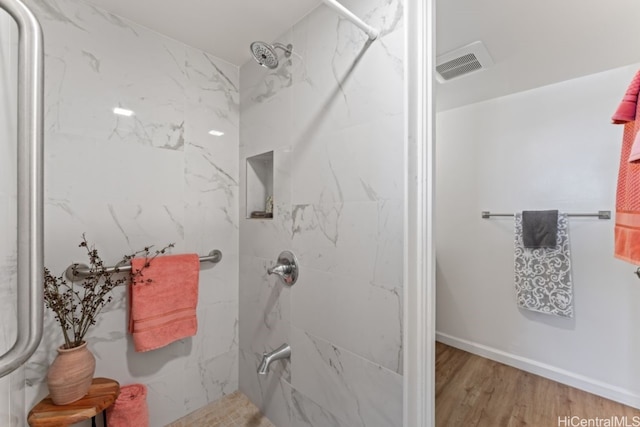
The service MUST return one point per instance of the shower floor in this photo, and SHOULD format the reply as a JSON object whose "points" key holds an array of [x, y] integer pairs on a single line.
{"points": [[234, 410]]}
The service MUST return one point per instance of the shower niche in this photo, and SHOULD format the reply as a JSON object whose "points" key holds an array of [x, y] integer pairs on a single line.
{"points": [[260, 186]]}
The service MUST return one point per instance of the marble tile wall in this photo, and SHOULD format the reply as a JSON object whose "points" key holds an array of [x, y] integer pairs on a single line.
{"points": [[11, 389], [153, 178], [333, 115]]}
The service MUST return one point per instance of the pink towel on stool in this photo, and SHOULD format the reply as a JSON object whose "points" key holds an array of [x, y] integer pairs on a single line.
{"points": [[163, 310], [627, 228], [130, 408]]}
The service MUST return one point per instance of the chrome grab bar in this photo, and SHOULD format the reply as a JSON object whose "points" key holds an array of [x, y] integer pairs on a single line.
{"points": [[30, 187], [81, 271]]}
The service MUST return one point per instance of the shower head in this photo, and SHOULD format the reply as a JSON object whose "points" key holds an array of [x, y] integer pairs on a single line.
{"points": [[265, 53]]}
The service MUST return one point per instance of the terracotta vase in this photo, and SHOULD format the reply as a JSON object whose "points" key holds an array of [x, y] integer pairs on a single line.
{"points": [[71, 373]]}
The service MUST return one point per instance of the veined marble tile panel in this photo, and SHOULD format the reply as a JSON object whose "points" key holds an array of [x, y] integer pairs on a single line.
{"points": [[266, 126], [116, 357], [94, 64], [265, 307], [389, 270], [8, 105], [220, 282], [208, 379], [306, 413], [282, 175], [387, 16], [12, 412], [266, 238], [213, 84], [359, 163], [217, 331], [8, 273], [211, 161], [345, 81], [86, 170], [343, 98], [339, 238], [116, 230], [351, 313], [9, 159], [211, 224], [212, 104], [106, 227], [266, 103], [151, 179], [167, 396], [270, 393], [348, 386], [114, 352], [212, 181], [35, 370], [260, 84], [357, 239]]}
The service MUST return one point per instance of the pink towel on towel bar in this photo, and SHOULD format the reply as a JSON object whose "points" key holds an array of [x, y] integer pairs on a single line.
{"points": [[163, 310], [626, 111], [627, 228]]}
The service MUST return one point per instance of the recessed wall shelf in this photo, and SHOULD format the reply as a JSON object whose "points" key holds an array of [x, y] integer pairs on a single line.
{"points": [[259, 186]]}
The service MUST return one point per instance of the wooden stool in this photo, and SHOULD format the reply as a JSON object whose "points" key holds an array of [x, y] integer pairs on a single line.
{"points": [[102, 394]]}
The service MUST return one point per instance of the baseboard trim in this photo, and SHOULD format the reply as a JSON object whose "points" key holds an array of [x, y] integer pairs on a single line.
{"points": [[554, 373]]}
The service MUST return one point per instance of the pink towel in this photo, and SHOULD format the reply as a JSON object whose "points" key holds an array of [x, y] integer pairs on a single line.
{"points": [[163, 310], [130, 408], [626, 111], [627, 229]]}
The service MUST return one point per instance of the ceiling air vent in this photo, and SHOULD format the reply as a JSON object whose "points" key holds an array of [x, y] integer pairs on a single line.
{"points": [[460, 62]]}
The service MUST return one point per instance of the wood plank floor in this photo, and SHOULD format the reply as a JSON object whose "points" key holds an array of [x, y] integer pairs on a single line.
{"points": [[474, 391]]}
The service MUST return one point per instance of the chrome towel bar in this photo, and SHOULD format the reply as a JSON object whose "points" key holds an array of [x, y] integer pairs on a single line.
{"points": [[599, 214], [82, 270]]}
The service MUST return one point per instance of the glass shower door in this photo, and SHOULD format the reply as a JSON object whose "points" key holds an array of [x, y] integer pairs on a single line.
{"points": [[11, 386]]}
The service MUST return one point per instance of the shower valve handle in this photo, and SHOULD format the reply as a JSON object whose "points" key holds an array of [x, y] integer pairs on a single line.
{"points": [[286, 268]]}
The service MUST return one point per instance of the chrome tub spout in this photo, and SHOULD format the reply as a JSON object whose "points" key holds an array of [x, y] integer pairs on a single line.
{"points": [[282, 352]]}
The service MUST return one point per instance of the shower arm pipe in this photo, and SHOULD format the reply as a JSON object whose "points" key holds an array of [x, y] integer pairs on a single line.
{"points": [[30, 276], [286, 49], [335, 5]]}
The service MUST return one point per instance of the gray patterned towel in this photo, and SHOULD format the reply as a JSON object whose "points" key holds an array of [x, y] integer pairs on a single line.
{"points": [[543, 275]]}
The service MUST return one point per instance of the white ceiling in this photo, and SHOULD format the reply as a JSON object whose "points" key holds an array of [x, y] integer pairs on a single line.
{"points": [[224, 28], [533, 43]]}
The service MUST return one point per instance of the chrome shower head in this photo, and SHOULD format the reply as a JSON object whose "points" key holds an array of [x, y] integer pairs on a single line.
{"points": [[265, 53]]}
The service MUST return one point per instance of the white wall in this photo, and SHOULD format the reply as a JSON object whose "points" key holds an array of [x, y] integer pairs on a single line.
{"points": [[153, 178], [548, 148], [333, 114]]}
